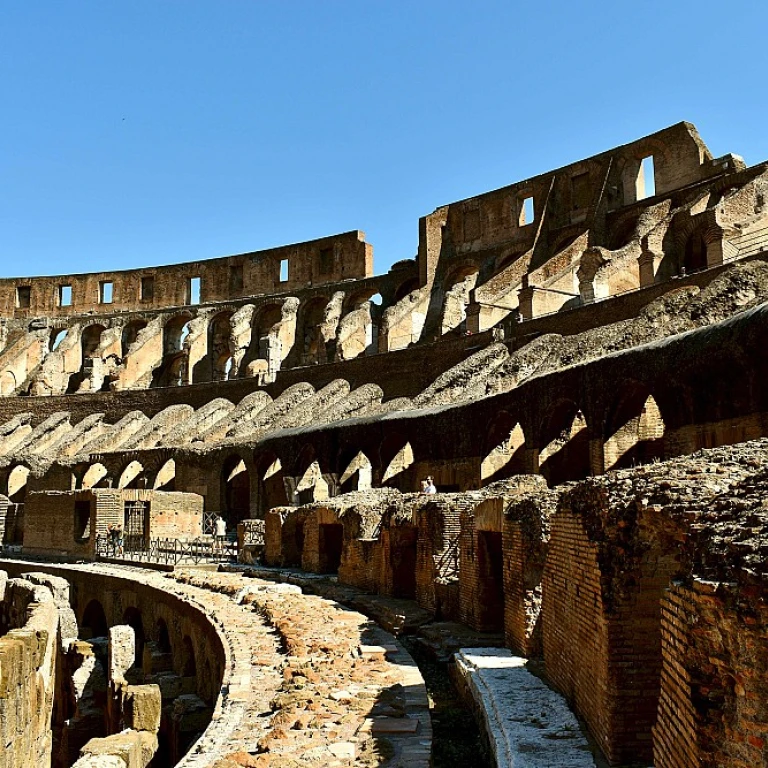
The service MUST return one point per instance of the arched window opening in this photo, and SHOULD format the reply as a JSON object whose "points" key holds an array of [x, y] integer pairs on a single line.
{"points": [[130, 335], [133, 476], [94, 621], [165, 480], [312, 485], [236, 482], [565, 455], [396, 474], [57, 336], [635, 432], [17, 484], [188, 662], [358, 476], [505, 450], [95, 476]]}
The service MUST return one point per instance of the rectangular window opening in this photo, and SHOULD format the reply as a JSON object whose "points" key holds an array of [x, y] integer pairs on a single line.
{"points": [[105, 292], [24, 296], [527, 212], [646, 179], [194, 290], [283, 270], [147, 288], [65, 295]]}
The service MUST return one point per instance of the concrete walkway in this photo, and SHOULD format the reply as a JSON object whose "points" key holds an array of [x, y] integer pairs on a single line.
{"points": [[528, 725]]}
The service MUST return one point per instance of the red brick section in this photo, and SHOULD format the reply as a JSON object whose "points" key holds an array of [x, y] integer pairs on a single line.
{"points": [[713, 710]]}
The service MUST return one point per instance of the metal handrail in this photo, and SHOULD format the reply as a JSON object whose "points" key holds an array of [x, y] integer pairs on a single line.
{"points": [[167, 551]]}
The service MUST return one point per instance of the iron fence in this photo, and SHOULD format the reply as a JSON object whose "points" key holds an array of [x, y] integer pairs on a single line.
{"points": [[166, 551]]}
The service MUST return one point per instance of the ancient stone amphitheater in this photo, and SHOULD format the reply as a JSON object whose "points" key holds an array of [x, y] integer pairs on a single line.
{"points": [[575, 359]]}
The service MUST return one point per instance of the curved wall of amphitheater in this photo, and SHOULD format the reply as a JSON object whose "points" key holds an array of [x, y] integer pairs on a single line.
{"points": [[108, 653], [572, 381]]}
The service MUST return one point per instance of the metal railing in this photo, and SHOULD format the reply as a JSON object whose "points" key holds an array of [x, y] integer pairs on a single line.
{"points": [[253, 532], [167, 551], [448, 562]]}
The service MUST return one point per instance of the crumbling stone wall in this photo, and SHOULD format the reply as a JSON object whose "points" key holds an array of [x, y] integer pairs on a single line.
{"points": [[29, 624]]}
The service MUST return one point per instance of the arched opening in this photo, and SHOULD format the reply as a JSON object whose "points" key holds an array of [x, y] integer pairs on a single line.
{"points": [[132, 617], [163, 638], [397, 459], [272, 492], [634, 429], [565, 455], [130, 334], [457, 288], [165, 479], [90, 343], [504, 453], [265, 344], [172, 371], [312, 486], [94, 621], [219, 350], [7, 383], [358, 475], [313, 344], [695, 252], [17, 484], [236, 487], [188, 666], [95, 476], [133, 476], [57, 336], [405, 288]]}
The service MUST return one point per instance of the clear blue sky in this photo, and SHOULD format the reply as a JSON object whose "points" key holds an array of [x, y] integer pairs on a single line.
{"points": [[144, 132]]}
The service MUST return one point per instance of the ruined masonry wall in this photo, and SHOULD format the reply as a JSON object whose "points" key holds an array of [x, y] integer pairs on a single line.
{"points": [[29, 627]]}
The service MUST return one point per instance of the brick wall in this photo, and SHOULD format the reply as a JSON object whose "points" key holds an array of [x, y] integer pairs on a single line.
{"points": [[713, 708]]}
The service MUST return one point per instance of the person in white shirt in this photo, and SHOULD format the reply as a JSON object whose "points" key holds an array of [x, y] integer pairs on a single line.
{"points": [[220, 530], [430, 487]]}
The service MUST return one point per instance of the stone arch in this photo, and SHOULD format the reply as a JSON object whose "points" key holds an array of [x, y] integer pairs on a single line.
{"points": [[312, 343], [163, 637], [357, 474], [235, 490], [503, 449], [173, 370], [398, 463], [93, 622], [271, 479], [457, 286], [219, 346], [564, 444], [130, 334], [95, 476], [265, 320], [188, 661], [132, 475], [17, 484], [406, 287], [165, 478], [310, 483], [634, 428], [90, 343], [8, 383]]}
